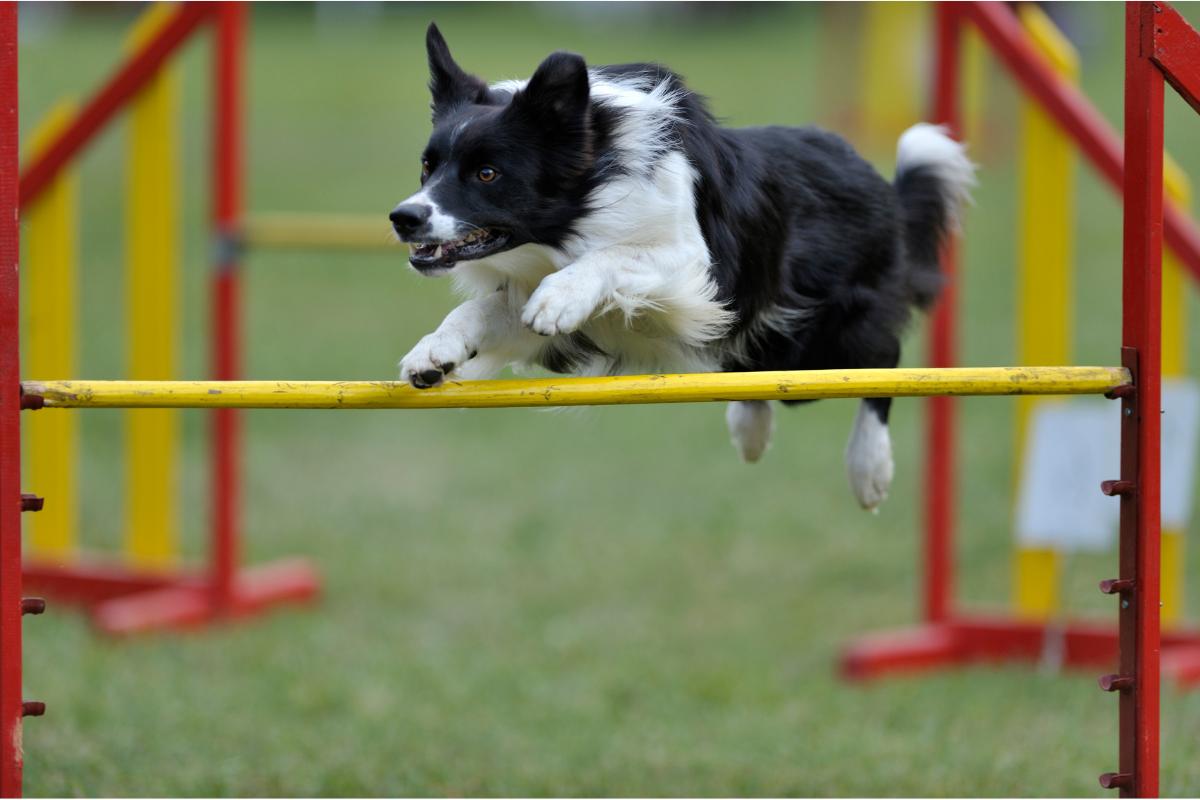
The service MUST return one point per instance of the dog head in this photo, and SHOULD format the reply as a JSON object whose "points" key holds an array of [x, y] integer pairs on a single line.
{"points": [[505, 166]]}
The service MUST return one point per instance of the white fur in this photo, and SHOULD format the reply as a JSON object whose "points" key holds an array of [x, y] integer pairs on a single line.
{"points": [[927, 145], [442, 226], [750, 424], [869, 459], [635, 279]]}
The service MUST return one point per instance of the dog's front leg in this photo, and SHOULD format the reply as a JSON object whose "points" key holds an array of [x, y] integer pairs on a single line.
{"points": [[474, 340], [566, 299]]}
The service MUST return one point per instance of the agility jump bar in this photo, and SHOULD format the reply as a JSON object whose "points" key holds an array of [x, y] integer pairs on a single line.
{"points": [[639, 389]]}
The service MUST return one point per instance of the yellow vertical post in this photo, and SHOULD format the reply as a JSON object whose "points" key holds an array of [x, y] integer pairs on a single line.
{"points": [[49, 275], [974, 83], [1045, 312], [151, 226], [1174, 365], [890, 80]]}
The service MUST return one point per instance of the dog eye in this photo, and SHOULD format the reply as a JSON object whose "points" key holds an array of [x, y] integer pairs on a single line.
{"points": [[425, 170], [488, 174]]}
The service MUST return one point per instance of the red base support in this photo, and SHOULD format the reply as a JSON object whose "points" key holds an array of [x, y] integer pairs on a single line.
{"points": [[125, 601], [983, 639]]}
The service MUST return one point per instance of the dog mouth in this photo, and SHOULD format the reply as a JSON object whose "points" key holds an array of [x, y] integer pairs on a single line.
{"points": [[443, 255]]}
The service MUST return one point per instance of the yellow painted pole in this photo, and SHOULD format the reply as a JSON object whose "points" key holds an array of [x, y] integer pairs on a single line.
{"points": [[974, 87], [51, 299], [319, 231], [891, 77], [1174, 365], [619, 390], [151, 215], [1045, 314]]}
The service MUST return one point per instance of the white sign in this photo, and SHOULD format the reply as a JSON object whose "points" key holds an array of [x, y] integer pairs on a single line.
{"points": [[1072, 446]]}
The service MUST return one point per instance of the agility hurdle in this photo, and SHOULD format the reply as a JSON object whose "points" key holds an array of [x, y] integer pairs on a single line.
{"points": [[1159, 44], [948, 636], [146, 587]]}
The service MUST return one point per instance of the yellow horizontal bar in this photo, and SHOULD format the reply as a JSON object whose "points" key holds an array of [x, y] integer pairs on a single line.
{"points": [[803, 385], [319, 231]]}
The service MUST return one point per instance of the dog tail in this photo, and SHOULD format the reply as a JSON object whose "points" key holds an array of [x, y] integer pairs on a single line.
{"points": [[933, 181]]}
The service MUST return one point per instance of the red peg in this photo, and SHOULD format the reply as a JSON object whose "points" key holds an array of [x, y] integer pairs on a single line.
{"points": [[1115, 683], [1114, 488], [1115, 780], [33, 605]]}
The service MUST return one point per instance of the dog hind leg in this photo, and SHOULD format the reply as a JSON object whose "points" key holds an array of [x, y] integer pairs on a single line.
{"points": [[750, 424]]}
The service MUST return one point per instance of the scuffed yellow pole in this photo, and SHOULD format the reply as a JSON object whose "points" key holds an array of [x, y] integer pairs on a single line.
{"points": [[1045, 316], [51, 299], [1174, 366], [152, 227], [620, 390]]}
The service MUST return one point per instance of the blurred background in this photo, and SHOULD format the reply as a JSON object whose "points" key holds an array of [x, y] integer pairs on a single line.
{"points": [[593, 602]]}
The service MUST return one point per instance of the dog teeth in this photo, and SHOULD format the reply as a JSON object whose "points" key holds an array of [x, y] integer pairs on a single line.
{"points": [[438, 253]]}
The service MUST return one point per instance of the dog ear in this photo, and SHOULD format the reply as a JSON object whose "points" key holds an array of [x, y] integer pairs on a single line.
{"points": [[558, 92], [448, 84]]}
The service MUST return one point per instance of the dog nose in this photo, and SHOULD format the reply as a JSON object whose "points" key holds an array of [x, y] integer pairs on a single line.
{"points": [[407, 217]]}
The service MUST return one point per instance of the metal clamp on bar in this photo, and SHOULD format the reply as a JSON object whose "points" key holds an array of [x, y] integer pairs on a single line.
{"points": [[1116, 585], [1115, 683], [1117, 488], [33, 708], [228, 247], [1116, 780], [1121, 392], [31, 401], [31, 502]]}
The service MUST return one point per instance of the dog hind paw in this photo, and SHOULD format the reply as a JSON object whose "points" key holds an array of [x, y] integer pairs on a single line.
{"points": [[869, 464], [750, 423]]}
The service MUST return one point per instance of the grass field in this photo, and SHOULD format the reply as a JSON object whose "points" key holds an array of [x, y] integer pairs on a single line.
{"points": [[594, 602]]}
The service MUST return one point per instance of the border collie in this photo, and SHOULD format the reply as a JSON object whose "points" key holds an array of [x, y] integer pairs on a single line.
{"points": [[601, 222]]}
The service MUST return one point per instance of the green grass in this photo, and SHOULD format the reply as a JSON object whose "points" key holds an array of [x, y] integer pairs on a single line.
{"points": [[595, 602]]}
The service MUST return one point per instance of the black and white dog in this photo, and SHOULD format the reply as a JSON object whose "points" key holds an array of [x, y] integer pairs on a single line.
{"points": [[601, 222]]}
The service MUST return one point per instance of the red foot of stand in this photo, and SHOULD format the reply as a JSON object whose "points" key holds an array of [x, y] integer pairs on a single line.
{"points": [[967, 640], [125, 601]]}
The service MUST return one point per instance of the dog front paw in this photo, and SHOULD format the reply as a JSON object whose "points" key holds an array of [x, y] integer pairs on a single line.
{"points": [[434, 358], [560, 304]]}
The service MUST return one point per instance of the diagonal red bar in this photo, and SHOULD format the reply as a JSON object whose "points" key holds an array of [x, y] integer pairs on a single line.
{"points": [[1072, 110], [1177, 53], [121, 87]]}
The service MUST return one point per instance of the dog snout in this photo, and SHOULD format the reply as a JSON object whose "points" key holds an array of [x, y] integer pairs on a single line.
{"points": [[407, 218]]}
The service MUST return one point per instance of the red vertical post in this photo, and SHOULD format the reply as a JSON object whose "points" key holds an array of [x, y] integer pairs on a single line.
{"points": [[229, 21], [1138, 617], [11, 707], [939, 449]]}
